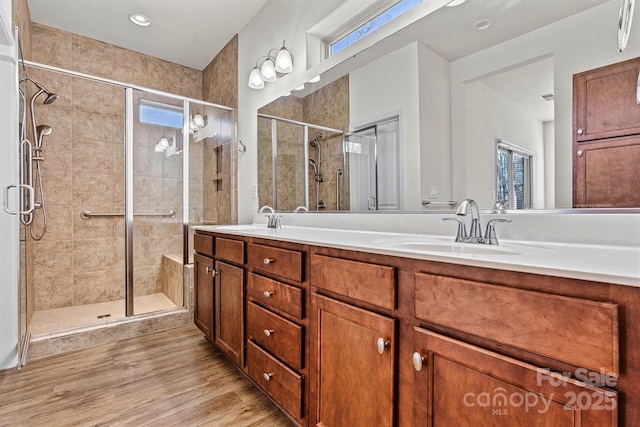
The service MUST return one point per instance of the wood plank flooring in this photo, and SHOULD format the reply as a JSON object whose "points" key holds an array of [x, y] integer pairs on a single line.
{"points": [[170, 378]]}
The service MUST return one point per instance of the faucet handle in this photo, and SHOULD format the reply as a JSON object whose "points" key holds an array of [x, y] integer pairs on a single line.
{"points": [[490, 237], [461, 235]]}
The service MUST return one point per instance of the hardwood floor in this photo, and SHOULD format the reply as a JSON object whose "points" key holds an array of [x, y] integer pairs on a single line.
{"points": [[169, 378]]}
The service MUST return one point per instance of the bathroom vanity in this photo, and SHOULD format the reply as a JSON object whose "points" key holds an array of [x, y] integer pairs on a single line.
{"points": [[343, 327]]}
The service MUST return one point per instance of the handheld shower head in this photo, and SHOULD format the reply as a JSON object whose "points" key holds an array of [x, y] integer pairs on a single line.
{"points": [[42, 130]]}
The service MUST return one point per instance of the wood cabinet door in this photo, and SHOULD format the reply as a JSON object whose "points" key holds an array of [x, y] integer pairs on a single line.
{"points": [[203, 295], [605, 173], [605, 102], [352, 379], [229, 310], [459, 384]]}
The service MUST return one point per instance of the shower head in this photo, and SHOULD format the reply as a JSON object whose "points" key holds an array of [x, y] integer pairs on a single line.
{"points": [[51, 97], [42, 130], [314, 142]]}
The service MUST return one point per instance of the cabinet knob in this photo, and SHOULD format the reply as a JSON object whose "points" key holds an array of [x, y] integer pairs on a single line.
{"points": [[381, 344], [210, 270], [267, 376], [418, 360], [580, 131], [580, 153], [268, 261], [268, 332], [267, 293]]}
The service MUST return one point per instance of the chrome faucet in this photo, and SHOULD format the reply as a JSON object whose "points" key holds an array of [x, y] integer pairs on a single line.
{"points": [[475, 234], [273, 220], [301, 209], [266, 208]]}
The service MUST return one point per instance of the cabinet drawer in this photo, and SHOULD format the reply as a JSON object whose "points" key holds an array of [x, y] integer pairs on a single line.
{"points": [[280, 382], [276, 334], [230, 250], [203, 244], [371, 283], [581, 332], [281, 262], [275, 294]]}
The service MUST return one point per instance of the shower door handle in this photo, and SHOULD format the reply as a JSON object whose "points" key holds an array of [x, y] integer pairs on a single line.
{"points": [[32, 199]]}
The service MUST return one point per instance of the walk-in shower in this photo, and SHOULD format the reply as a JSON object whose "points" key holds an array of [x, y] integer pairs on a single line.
{"points": [[118, 211]]}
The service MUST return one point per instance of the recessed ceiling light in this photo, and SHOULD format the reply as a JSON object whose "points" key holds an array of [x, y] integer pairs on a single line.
{"points": [[483, 24], [300, 87], [140, 19], [315, 79], [455, 3]]}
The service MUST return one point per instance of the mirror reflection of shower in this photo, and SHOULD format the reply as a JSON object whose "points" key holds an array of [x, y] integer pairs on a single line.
{"points": [[31, 158], [317, 172]]}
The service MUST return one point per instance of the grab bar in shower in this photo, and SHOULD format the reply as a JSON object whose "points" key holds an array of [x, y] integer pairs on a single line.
{"points": [[88, 214]]}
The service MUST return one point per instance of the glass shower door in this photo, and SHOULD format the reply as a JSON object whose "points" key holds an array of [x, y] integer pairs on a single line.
{"points": [[156, 190]]}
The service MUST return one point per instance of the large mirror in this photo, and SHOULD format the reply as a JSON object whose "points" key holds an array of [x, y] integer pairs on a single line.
{"points": [[470, 101]]}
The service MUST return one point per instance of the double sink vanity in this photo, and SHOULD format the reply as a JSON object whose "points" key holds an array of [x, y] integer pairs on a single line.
{"points": [[340, 325]]}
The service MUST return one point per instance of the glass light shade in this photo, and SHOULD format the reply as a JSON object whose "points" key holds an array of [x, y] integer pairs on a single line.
{"points": [[268, 71], [284, 63], [255, 80]]}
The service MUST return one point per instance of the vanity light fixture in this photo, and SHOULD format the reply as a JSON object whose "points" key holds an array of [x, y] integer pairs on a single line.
{"points": [[455, 3], [140, 19], [271, 68]]}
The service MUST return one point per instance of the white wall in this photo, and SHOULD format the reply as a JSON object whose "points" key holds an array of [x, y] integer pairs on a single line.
{"points": [[9, 239], [382, 89], [582, 42], [549, 162], [489, 116], [435, 126]]}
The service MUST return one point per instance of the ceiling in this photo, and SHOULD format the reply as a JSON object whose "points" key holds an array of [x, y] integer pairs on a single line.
{"points": [[187, 32]]}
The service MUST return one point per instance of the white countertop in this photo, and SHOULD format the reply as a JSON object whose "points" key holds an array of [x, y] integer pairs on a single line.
{"points": [[603, 263]]}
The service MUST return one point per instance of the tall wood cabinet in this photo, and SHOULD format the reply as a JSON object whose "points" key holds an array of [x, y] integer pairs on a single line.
{"points": [[606, 136]]}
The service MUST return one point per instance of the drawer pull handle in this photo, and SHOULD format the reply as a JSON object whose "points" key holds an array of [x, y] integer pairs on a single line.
{"points": [[267, 376], [381, 345], [268, 261], [267, 293], [268, 332], [418, 360], [210, 270]]}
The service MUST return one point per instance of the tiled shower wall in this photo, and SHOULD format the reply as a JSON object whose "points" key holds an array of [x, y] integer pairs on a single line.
{"points": [[328, 107], [82, 261]]}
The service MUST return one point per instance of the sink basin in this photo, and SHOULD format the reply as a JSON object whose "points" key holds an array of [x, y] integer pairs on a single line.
{"points": [[242, 227], [456, 248]]}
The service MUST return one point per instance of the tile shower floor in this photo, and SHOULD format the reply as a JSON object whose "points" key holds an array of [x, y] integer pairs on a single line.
{"points": [[56, 319]]}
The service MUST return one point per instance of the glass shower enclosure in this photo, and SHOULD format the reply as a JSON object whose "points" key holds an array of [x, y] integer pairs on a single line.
{"points": [[125, 172]]}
